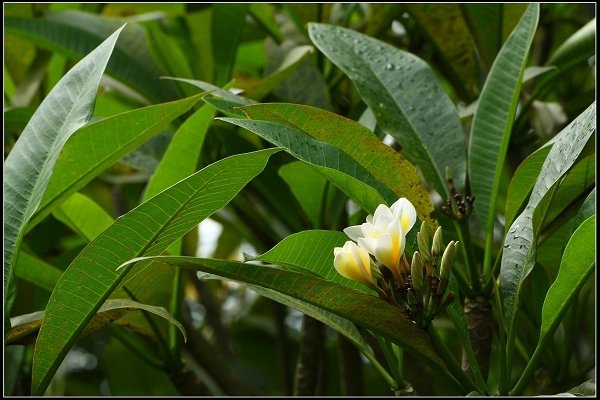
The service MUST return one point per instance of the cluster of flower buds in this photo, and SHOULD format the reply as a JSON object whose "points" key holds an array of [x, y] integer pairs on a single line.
{"points": [[417, 287], [457, 206]]}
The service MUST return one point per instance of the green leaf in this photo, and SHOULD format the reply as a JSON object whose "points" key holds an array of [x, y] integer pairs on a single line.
{"points": [[518, 257], [440, 22], [587, 208], [181, 156], [37, 272], [26, 327], [289, 65], [333, 163], [492, 123], [76, 33], [577, 48], [406, 97], [146, 230], [264, 14], [576, 267], [308, 186], [352, 148], [312, 251], [99, 145], [28, 167], [587, 388], [84, 216], [228, 22], [360, 308], [522, 183]]}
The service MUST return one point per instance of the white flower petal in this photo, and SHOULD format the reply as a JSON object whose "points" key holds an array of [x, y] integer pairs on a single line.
{"points": [[354, 232]]}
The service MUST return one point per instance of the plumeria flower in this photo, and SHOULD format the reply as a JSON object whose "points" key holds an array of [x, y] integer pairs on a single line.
{"points": [[353, 262], [384, 233]]}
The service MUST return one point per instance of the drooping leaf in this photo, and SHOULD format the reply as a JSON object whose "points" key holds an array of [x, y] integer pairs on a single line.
{"points": [[360, 308], [26, 327], [98, 145], [75, 33], [518, 256], [390, 174], [84, 216], [28, 167], [587, 209], [333, 163], [406, 97], [492, 123], [146, 230]]}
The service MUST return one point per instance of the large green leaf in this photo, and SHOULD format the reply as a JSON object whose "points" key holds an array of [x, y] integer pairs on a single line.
{"points": [[312, 251], [360, 308], [576, 267], [518, 257], [97, 146], [26, 327], [146, 230], [333, 163], [28, 167], [353, 149], [406, 97], [492, 123], [76, 33]]}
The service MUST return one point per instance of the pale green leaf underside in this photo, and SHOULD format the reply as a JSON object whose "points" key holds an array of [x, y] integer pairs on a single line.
{"points": [[146, 230], [406, 97], [492, 123], [28, 167], [518, 257]]}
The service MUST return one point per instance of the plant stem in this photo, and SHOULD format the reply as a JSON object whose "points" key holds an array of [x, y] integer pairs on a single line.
{"points": [[351, 378], [467, 248], [310, 360], [175, 309], [453, 366]]}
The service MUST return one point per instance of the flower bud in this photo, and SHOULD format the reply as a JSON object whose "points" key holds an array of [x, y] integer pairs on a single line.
{"points": [[446, 265], [437, 245], [416, 272], [423, 240], [353, 262]]}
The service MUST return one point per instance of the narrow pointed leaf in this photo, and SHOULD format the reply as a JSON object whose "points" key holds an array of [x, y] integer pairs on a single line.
{"points": [[97, 146], [227, 24], [406, 97], [393, 176], [146, 230], [26, 327], [29, 165], [360, 308], [518, 256], [492, 123]]}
